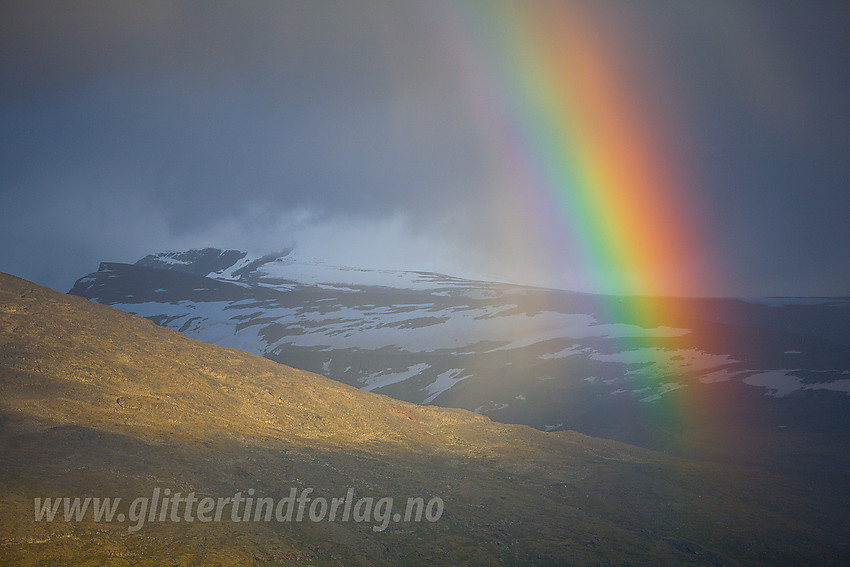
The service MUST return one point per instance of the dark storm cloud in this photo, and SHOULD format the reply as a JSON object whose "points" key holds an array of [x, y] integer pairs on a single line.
{"points": [[55, 48], [288, 103], [765, 118], [133, 126]]}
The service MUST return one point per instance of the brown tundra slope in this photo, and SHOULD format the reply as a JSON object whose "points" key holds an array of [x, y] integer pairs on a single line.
{"points": [[95, 402]]}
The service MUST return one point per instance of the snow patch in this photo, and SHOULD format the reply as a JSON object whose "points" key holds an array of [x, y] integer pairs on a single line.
{"points": [[722, 375], [563, 353], [444, 381], [381, 379], [663, 389], [778, 383], [842, 385], [668, 361]]}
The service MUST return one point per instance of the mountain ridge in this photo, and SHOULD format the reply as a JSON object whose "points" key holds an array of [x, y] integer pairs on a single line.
{"points": [[550, 359], [195, 261]]}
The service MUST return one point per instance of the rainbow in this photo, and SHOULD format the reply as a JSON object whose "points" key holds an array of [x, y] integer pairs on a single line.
{"points": [[588, 166]]}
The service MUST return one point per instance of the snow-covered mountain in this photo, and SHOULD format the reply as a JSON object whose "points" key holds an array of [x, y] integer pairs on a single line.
{"points": [[550, 359]]}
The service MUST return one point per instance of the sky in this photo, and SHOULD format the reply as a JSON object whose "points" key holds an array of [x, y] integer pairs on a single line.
{"points": [[376, 134]]}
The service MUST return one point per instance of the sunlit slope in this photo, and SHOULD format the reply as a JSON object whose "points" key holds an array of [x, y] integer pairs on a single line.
{"points": [[97, 402]]}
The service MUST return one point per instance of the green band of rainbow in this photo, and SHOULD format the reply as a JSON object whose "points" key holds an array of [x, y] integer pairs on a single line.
{"points": [[557, 110]]}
